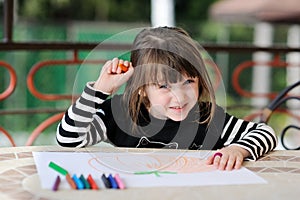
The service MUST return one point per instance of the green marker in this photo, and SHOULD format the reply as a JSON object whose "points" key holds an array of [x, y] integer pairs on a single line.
{"points": [[85, 182], [58, 168], [156, 173]]}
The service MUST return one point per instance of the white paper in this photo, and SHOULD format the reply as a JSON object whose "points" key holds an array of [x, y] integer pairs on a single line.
{"points": [[168, 169]]}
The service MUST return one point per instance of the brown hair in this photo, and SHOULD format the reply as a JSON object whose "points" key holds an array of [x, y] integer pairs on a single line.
{"points": [[166, 52]]}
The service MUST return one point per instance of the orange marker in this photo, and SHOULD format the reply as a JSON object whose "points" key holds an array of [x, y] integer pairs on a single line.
{"points": [[71, 182], [123, 67]]}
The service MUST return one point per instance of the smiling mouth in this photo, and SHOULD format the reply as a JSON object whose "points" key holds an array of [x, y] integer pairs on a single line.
{"points": [[177, 107]]}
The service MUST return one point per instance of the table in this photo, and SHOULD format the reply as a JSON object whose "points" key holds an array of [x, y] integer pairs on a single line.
{"points": [[281, 168]]}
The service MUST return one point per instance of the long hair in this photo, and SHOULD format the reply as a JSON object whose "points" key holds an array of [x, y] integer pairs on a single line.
{"points": [[168, 53]]}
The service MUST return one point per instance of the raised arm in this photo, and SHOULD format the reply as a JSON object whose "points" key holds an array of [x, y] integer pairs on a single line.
{"points": [[82, 125]]}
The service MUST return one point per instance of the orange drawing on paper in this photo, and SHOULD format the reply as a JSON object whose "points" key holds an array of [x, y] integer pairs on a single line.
{"points": [[132, 163]]}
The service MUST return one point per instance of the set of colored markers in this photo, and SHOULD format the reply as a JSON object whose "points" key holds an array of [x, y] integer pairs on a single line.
{"points": [[80, 183]]}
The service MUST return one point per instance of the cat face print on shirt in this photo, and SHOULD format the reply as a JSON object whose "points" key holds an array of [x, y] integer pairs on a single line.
{"points": [[146, 143]]}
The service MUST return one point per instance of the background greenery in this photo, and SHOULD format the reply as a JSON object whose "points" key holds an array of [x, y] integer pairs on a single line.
{"points": [[96, 21]]}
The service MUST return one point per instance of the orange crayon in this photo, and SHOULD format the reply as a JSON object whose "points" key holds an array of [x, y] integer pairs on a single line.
{"points": [[123, 67], [71, 182]]}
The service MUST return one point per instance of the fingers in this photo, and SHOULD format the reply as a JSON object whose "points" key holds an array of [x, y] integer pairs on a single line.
{"points": [[210, 160], [114, 67], [238, 163], [119, 66], [112, 77], [225, 161], [107, 67], [219, 161]]}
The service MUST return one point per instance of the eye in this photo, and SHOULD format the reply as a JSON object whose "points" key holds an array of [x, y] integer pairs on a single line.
{"points": [[189, 81], [164, 86]]}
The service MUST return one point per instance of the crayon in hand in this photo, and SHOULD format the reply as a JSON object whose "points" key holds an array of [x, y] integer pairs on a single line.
{"points": [[123, 67]]}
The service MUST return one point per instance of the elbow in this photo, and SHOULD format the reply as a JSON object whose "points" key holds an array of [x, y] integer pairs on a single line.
{"points": [[272, 135], [64, 139]]}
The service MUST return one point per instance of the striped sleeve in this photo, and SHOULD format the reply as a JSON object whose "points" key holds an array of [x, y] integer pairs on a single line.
{"points": [[82, 124], [257, 138]]}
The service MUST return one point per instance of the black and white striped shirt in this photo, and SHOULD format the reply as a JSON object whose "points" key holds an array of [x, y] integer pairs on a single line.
{"points": [[94, 118]]}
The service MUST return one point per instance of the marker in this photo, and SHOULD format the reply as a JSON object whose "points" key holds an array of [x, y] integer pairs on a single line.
{"points": [[92, 183], [56, 184], [112, 181], [58, 168], [79, 184], [119, 182], [105, 181], [85, 182], [123, 67], [71, 182]]}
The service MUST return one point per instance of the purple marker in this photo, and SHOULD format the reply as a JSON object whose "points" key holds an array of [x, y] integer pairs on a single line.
{"points": [[56, 184]]}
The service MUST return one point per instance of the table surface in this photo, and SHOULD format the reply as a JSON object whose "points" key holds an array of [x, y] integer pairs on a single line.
{"points": [[281, 169]]}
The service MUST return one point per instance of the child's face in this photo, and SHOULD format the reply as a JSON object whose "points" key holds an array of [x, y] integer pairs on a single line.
{"points": [[173, 100]]}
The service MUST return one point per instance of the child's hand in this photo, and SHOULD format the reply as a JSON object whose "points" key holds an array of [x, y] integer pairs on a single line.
{"points": [[113, 75], [232, 157]]}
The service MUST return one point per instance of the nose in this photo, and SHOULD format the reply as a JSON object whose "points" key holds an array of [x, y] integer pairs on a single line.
{"points": [[179, 95]]}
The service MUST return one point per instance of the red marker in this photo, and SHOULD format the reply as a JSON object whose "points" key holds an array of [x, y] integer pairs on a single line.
{"points": [[92, 182]]}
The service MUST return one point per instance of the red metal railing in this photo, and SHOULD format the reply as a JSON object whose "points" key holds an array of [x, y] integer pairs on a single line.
{"points": [[13, 80], [7, 92], [275, 63], [52, 97]]}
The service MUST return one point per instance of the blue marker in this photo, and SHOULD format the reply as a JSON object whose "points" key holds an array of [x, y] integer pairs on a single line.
{"points": [[78, 182], [113, 182]]}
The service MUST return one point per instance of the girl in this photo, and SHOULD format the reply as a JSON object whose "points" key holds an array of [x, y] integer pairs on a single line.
{"points": [[168, 102]]}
